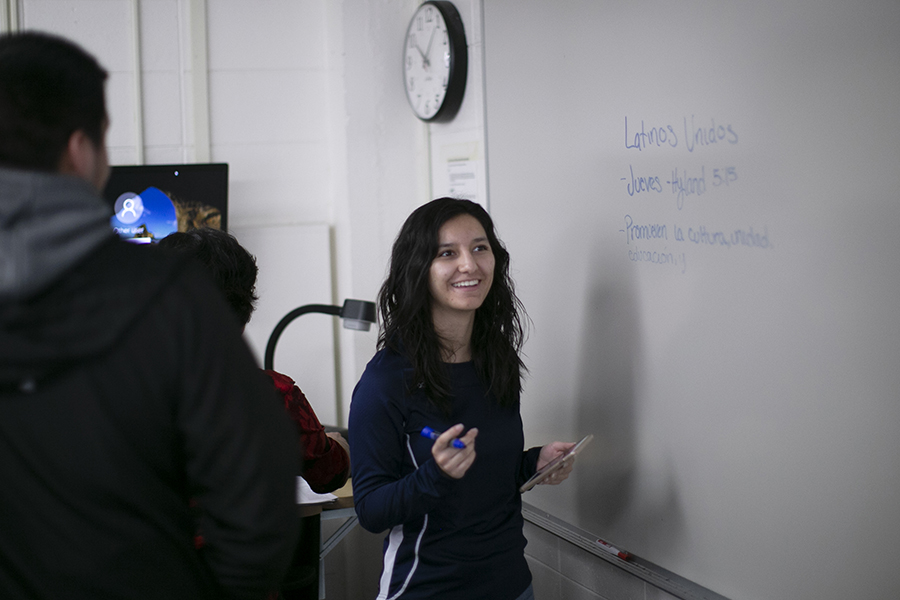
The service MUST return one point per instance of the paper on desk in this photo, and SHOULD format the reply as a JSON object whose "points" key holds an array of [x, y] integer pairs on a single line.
{"points": [[305, 494]]}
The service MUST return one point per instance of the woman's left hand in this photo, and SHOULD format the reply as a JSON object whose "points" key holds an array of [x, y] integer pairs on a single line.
{"points": [[554, 450]]}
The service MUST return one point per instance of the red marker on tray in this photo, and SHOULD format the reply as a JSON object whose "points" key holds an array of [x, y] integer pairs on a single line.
{"points": [[613, 550]]}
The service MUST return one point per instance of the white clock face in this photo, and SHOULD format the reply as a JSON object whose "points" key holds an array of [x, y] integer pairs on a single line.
{"points": [[427, 61]]}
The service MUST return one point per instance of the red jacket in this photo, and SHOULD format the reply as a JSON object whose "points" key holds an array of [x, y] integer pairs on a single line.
{"points": [[326, 465]]}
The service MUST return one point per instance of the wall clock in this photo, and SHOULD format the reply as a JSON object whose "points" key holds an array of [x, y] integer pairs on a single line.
{"points": [[435, 61]]}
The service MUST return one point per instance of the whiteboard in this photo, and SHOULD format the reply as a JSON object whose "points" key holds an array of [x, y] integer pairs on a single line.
{"points": [[701, 201]]}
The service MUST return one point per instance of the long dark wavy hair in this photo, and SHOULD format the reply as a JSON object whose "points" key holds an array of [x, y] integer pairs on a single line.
{"points": [[404, 302]]}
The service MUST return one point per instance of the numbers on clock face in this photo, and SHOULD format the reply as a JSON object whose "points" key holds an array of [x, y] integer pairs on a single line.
{"points": [[427, 61]]}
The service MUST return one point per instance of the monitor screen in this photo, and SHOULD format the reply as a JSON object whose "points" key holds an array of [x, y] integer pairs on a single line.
{"points": [[152, 201]]}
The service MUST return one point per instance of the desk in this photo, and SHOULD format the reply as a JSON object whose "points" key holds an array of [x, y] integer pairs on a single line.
{"points": [[314, 514]]}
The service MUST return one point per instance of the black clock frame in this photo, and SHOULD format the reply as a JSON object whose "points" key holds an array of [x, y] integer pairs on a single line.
{"points": [[459, 62]]}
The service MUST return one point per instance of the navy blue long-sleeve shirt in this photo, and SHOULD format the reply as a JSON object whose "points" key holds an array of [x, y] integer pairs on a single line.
{"points": [[447, 538]]}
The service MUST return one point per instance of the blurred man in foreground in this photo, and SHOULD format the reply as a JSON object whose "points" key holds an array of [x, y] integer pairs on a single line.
{"points": [[125, 386]]}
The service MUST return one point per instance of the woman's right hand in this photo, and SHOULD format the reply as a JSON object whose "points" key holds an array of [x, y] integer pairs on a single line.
{"points": [[455, 461]]}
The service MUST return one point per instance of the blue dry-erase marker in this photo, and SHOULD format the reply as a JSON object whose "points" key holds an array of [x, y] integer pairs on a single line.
{"points": [[432, 434]]}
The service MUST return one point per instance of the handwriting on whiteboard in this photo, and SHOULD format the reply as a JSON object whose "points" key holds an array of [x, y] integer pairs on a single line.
{"points": [[699, 234], [694, 133], [680, 182], [664, 238]]}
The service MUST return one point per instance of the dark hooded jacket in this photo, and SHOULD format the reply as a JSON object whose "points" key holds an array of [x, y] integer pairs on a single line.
{"points": [[126, 390]]}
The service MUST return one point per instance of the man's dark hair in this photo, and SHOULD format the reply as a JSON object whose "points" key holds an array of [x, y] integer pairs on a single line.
{"points": [[49, 89], [232, 268], [404, 302]]}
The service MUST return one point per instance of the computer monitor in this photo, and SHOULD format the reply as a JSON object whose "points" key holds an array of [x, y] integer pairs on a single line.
{"points": [[152, 201]]}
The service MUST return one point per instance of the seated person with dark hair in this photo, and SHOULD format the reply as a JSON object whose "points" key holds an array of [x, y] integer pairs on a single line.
{"points": [[326, 456]]}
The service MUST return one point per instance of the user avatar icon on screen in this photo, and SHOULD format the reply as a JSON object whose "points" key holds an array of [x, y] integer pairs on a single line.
{"points": [[144, 217], [129, 208]]}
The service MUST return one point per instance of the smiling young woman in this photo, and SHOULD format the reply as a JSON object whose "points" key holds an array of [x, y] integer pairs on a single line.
{"points": [[448, 359]]}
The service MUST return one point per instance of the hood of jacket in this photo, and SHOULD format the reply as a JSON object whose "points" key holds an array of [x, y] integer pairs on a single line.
{"points": [[48, 223], [68, 287]]}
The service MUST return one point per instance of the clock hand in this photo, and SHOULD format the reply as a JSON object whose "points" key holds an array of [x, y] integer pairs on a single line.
{"points": [[422, 54], [428, 50]]}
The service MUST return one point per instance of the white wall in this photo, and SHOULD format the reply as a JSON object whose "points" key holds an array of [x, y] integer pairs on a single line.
{"points": [[386, 158]]}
